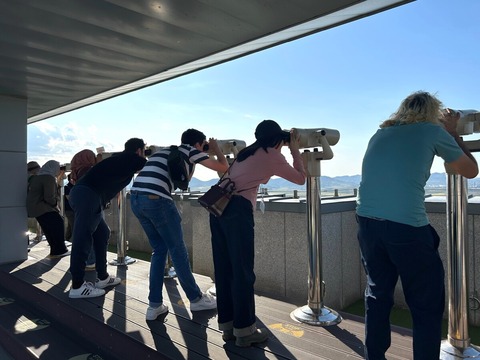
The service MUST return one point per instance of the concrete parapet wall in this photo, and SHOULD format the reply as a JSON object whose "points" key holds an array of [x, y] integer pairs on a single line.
{"points": [[281, 257], [135, 236], [281, 242]]}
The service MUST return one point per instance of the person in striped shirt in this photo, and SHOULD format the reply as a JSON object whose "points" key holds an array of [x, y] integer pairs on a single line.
{"points": [[153, 205]]}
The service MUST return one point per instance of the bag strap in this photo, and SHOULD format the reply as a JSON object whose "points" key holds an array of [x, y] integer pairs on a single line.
{"points": [[231, 181], [228, 170]]}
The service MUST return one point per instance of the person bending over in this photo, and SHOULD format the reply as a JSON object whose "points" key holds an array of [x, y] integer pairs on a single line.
{"points": [[153, 205], [88, 198], [394, 233], [233, 235]]}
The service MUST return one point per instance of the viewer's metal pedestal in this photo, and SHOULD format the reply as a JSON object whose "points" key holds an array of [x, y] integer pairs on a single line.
{"points": [[169, 272], [315, 313], [457, 345], [127, 260], [122, 259]]}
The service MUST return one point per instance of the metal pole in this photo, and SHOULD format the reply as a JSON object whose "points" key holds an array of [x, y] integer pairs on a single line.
{"points": [[457, 345], [316, 288], [314, 313], [62, 201], [122, 259], [169, 272]]}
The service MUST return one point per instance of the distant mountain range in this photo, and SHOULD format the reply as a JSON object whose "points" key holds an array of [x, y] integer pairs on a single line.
{"points": [[346, 182]]}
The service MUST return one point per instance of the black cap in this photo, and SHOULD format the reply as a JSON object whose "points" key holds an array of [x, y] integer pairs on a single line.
{"points": [[268, 129]]}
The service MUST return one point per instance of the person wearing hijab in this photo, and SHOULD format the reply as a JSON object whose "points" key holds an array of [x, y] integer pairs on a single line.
{"points": [[42, 204], [233, 235], [81, 162]]}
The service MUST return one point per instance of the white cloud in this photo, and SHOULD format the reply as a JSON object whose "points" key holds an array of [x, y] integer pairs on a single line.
{"points": [[47, 141]]}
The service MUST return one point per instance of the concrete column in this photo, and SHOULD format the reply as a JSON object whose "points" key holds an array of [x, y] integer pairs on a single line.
{"points": [[13, 179]]}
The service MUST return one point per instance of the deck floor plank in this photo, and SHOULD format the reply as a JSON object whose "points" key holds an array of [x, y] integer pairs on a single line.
{"points": [[182, 334]]}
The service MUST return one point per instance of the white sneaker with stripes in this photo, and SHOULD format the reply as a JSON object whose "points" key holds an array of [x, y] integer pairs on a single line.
{"points": [[87, 290], [109, 281]]}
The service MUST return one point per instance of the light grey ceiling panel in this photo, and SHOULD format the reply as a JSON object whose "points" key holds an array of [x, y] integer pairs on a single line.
{"points": [[65, 54]]}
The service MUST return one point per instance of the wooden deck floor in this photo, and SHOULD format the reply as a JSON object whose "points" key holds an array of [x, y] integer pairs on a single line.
{"points": [[114, 326]]}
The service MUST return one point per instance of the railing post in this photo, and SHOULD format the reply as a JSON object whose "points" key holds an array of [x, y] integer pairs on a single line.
{"points": [[122, 245], [315, 313]]}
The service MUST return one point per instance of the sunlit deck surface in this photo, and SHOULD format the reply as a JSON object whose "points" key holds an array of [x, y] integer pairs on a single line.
{"points": [[34, 293]]}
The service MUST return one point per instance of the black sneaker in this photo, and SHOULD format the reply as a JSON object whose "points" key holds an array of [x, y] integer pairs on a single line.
{"points": [[259, 336]]}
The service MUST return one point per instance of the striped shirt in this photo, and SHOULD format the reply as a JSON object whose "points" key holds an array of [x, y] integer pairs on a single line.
{"points": [[154, 178]]}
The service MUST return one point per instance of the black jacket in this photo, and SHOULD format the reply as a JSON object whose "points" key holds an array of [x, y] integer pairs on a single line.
{"points": [[110, 176]]}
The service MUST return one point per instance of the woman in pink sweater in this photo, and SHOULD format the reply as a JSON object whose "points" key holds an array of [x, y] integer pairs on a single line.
{"points": [[233, 233]]}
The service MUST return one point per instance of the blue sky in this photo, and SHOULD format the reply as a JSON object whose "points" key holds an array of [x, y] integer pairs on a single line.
{"points": [[349, 78]]}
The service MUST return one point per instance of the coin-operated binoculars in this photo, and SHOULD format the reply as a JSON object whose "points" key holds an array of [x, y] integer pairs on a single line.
{"points": [[152, 149], [228, 147], [469, 122], [231, 146], [315, 313], [457, 345]]}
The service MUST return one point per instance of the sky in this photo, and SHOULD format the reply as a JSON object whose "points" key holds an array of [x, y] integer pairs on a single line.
{"points": [[349, 78]]}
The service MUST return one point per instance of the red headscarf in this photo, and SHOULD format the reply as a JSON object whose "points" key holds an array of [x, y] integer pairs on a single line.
{"points": [[81, 163]]}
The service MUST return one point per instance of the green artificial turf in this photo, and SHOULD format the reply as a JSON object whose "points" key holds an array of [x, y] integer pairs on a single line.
{"points": [[132, 253], [402, 317]]}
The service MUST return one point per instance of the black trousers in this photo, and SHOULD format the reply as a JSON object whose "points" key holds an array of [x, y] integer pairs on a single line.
{"points": [[53, 228], [233, 245]]}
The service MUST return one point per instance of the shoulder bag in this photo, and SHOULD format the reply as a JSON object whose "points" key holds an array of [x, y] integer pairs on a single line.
{"points": [[216, 199]]}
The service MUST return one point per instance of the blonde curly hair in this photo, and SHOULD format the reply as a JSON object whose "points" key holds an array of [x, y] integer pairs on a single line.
{"points": [[420, 106]]}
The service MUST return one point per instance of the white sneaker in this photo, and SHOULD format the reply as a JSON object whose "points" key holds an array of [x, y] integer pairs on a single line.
{"points": [[109, 281], [154, 312], [58, 256], [87, 290], [207, 302]]}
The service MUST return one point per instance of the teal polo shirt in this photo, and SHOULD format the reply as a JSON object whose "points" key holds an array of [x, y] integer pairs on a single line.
{"points": [[396, 167]]}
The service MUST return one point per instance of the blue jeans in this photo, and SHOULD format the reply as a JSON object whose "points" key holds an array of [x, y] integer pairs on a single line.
{"points": [[90, 228], [161, 222], [233, 248], [391, 250]]}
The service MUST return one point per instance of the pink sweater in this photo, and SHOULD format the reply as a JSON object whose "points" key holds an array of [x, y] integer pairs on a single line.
{"points": [[260, 167]]}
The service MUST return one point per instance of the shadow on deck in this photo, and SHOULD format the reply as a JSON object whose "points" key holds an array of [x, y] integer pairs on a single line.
{"points": [[39, 321]]}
